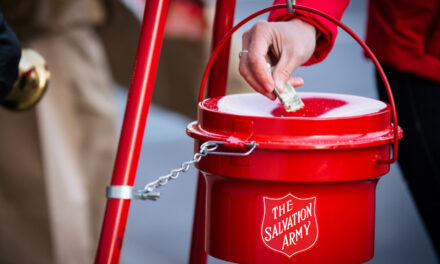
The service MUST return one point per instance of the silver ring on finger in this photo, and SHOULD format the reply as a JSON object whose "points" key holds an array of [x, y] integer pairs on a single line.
{"points": [[242, 52]]}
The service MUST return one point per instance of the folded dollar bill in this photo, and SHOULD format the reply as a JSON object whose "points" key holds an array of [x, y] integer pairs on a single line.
{"points": [[289, 98]]}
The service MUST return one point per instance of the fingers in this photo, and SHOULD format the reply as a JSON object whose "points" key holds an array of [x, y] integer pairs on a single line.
{"points": [[296, 81], [283, 70], [259, 43], [295, 45], [289, 43], [253, 64]]}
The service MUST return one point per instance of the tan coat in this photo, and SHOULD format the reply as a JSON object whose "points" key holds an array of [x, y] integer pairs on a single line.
{"points": [[56, 160]]}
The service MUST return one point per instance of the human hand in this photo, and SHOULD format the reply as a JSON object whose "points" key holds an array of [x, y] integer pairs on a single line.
{"points": [[286, 45]]}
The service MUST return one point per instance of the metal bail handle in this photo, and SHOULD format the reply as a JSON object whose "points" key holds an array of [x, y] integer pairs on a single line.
{"points": [[339, 24]]}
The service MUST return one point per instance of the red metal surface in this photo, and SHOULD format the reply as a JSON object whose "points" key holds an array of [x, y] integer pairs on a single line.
{"points": [[351, 122], [344, 217], [309, 159], [198, 252], [341, 180], [346, 29], [112, 233], [135, 118], [223, 22], [327, 153], [355, 138]]}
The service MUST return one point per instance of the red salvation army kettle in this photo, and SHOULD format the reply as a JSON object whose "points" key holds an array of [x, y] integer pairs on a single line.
{"points": [[293, 187]]}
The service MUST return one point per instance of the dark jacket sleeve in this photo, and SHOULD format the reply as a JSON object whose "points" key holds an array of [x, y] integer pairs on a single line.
{"points": [[10, 53], [327, 30]]}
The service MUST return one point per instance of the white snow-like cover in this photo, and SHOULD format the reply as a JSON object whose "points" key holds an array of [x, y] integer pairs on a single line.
{"points": [[262, 106]]}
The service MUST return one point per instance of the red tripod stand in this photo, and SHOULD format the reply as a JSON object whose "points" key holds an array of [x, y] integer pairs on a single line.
{"points": [[135, 118]]}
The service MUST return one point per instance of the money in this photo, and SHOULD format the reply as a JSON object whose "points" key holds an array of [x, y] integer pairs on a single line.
{"points": [[288, 98]]}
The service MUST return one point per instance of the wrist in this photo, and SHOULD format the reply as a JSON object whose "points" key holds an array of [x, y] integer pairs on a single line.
{"points": [[307, 27]]}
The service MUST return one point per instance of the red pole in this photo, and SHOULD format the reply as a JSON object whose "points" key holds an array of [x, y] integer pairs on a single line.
{"points": [[197, 252], [135, 118], [223, 22]]}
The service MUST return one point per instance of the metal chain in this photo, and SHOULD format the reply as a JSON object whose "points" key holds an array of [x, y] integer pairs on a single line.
{"points": [[147, 193], [209, 147]]}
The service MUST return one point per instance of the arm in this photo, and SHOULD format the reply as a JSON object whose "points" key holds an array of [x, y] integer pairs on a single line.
{"points": [[293, 40], [10, 53]]}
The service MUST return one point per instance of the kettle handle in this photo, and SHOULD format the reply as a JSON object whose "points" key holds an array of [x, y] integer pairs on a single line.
{"points": [[346, 29]]}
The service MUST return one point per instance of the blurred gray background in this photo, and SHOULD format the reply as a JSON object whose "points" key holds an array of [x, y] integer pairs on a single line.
{"points": [[160, 232]]}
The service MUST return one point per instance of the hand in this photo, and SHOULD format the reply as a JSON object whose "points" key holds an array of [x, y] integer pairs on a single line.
{"points": [[286, 45]]}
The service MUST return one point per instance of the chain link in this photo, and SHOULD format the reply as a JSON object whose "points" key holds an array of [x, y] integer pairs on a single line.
{"points": [[209, 147], [148, 191]]}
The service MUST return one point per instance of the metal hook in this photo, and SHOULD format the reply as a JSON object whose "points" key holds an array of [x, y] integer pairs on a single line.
{"points": [[289, 6], [209, 146], [250, 145]]}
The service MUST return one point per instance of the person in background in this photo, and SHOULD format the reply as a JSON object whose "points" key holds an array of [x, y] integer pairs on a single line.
{"points": [[57, 158], [10, 53], [182, 58], [405, 37], [52, 184], [184, 53]]}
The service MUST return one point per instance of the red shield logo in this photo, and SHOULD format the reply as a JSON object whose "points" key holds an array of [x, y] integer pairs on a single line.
{"points": [[289, 224]]}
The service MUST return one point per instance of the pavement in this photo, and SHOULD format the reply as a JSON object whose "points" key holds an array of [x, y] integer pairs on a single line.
{"points": [[160, 232]]}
